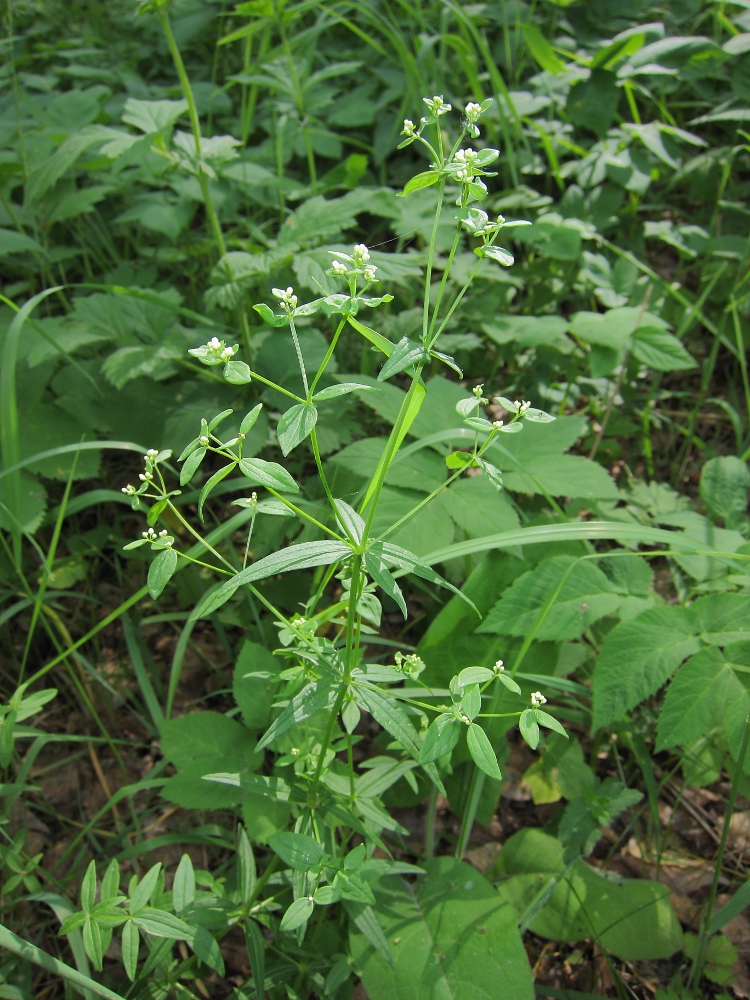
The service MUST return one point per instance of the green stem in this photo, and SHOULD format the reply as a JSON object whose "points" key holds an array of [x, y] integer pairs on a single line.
{"points": [[300, 359], [429, 832], [187, 91], [700, 956], [430, 258], [30, 952]]}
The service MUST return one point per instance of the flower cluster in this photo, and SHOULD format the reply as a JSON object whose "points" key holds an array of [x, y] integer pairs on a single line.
{"points": [[353, 264], [437, 106], [537, 699], [215, 352], [410, 665], [287, 299], [152, 457]]}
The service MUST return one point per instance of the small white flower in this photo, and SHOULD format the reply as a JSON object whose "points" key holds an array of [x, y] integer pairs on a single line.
{"points": [[369, 274], [130, 490], [437, 105], [227, 353], [408, 129], [537, 699], [477, 390], [151, 453], [497, 424], [203, 441], [150, 534], [339, 268], [360, 254], [163, 533], [146, 477], [298, 622], [499, 666], [214, 344], [254, 497], [473, 111], [466, 720]]}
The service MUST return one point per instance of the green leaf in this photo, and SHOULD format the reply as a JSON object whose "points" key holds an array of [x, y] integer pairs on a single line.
{"points": [[497, 254], [159, 923], [411, 563], [131, 942], [14, 242], [541, 49], [660, 350], [381, 342], [404, 354], [88, 888], [474, 675], [706, 692], [215, 479], [592, 103], [256, 951], [529, 728], [269, 474], [376, 566], [342, 389], [739, 901], [632, 918], [250, 419], [723, 487], [295, 425], [549, 722], [298, 914], [145, 889], [160, 571], [237, 373], [92, 942], [451, 936], [313, 698], [301, 556], [256, 676], [574, 593], [183, 887], [246, 870], [191, 465], [638, 656], [297, 850], [389, 714], [440, 738], [424, 180], [152, 116], [269, 316], [482, 753]]}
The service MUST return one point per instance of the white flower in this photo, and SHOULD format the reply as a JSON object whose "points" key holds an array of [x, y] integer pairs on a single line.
{"points": [[146, 477], [130, 490], [522, 407], [215, 344], [466, 720], [497, 424], [227, 353], [338, 267], [477, 390], [408, 129], [499, 666], [286, 297], [203, 441], [150, 534], [369, 274], [473, 111], [437, 105], [151, 453], [360, 254], [537, 699], [163, 533]]}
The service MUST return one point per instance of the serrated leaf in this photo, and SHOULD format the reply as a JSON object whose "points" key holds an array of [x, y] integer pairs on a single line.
{"points": [[301, 556], [638, 656], [441, 737], [215, 479], [295, 425], [723, 488], [268, 474], [570, 593], [660, 350], [160, 571], [482, 753], [152, 116]]}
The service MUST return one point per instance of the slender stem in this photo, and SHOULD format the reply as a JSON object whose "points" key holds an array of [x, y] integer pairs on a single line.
{"points": [[300, 359], [195, 125], [30, 952], [327, 358], [444, 279], [325, 743], [430, 258], [429, 831], [700, 956], [302, 513]]}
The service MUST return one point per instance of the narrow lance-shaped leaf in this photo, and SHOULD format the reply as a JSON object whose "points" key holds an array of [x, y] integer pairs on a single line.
{"points": [[405, 353], [413, 564], [376, 567], [440, 738], [294, 557], [313, 698], [215, 479], [268, 474]]}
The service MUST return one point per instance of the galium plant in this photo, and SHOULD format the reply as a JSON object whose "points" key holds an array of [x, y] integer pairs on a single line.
{"points": [[332, 803]]}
